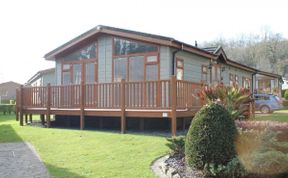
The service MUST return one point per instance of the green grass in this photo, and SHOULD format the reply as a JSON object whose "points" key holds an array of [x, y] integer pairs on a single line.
{"points": [[281, 116], [75, 153]]}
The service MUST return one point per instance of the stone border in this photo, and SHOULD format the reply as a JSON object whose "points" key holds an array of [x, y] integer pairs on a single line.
{"points": [[162, 170]]}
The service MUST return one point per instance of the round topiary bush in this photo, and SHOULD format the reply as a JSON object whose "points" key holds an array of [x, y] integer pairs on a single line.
{"points": [[210, 139]]}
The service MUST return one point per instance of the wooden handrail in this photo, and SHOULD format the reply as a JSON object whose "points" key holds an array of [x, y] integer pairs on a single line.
{"points": [[138, 95]]}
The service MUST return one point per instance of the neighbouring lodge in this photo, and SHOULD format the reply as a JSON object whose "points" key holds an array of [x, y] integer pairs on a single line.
{"points": [[138, 77]]}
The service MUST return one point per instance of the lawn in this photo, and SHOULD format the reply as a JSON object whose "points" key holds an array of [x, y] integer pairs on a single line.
{"points": [[74, 153], [281, 116]]}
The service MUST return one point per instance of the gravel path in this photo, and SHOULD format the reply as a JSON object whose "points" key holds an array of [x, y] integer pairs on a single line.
{"points": [[21, 160]]}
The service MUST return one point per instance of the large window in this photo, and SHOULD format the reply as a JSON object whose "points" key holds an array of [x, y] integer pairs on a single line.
{"points": [[132, 60], [73, 62], [179, 69], [126, 47]]}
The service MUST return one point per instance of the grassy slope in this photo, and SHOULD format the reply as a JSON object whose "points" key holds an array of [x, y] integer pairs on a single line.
{"points": [[75, 153]]}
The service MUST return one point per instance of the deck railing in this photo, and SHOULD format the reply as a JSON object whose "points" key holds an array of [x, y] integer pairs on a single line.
{"points": [[138, 95]]}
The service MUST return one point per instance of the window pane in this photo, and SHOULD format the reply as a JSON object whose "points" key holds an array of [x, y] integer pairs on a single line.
{"points": [[66, 66], [179, 74], [123, 47], [151, 72], [136, 68], [76, 73], [87, 52], [90, 72], [180, 63], [120, 65], [66, 78], [204, 69], [152, 59]]}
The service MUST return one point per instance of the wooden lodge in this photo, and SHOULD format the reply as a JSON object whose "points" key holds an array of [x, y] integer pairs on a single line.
{"points": [[111, 72]]}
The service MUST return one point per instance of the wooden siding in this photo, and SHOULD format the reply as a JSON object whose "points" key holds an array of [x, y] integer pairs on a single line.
{"points": [[232, 70], [192, 66]]}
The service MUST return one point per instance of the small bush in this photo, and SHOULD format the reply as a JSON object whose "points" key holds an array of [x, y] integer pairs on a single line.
{"points": [[235, 169], [176, 145], [286, 94], [269, 163], [285, 103], [210, 139], [7, 108], [262, 153]]}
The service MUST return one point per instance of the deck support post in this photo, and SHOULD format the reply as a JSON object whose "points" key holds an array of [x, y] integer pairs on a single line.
{"points": [[184, 124], [26, 118], [21, 105], [48, 105], [30, 118], [173, 106], [17, 104], [123, 118], [82, 103], [42, 118]]}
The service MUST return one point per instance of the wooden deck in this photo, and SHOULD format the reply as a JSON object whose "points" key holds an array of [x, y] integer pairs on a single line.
{"points": [[150, 99]]}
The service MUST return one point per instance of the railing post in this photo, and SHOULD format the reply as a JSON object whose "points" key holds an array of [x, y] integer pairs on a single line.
{"points": [[48, 105], [21, 105], [173, 106], [123, 118], [82, 105]]}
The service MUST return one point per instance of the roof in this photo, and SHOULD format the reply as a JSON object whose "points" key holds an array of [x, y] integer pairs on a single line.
{"points": [[212, 49], [214, 52], [39, 74], [219, 51], [146, 37], [10, 83]]}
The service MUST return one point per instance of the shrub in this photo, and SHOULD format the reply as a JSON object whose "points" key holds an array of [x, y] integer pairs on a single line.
{"points": [[262, 153], [7, 108], [285, 103], [232, 98], [176, 145], [210, 139], [286, 94], [269, 163]]}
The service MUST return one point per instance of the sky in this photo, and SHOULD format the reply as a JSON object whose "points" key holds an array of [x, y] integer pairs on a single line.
{"points": [[29, 29]]}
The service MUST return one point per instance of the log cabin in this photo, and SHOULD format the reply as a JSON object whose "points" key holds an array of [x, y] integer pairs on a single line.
{"points": [[110, 72]]}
